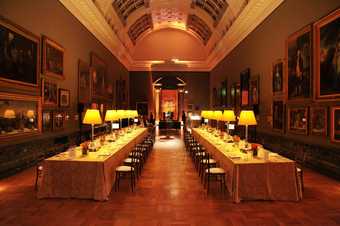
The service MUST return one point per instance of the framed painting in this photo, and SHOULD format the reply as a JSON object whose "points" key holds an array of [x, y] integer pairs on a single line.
{"points": [[298, 66], [254, 91], [298, 120], [84, 82], [232, 95], [327, 57], [244, 85], [53, 58], [98, 75], [318, 121], [19, 57], [278, 115], [277, 75], [64, 98], [335, 124], [224, 96], [49, 92], [58, 120], [47, 121], [237, 95]]}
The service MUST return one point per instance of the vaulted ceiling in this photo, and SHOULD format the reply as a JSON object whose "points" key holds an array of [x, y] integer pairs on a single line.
{"points": [[124, 25]]}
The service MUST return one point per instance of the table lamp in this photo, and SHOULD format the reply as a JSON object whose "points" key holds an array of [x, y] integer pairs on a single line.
{"points": [[9, 114], [218, 117], [92, 117], [120, 116], [110, 116], [247, 118], [228, 116]]}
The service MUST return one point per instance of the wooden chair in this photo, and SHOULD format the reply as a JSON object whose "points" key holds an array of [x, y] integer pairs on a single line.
{"points": [[300, 159], [124, 170], [217, 173]]}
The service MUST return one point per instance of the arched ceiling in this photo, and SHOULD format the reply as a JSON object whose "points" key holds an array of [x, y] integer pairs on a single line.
{"points": [[219, 24]]}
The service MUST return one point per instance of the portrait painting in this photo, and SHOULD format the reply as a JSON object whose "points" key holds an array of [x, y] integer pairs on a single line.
{"points": [[49, 93], [278, 115], [19, 55], [277, 75], [58, 120], [84, 82], [327, 56], [298, 120], [298, 66], [64, 98], [47, 121], [244, 85], [254, 91], [318, 121], [53, 58], [335, 124], [98, 77]]}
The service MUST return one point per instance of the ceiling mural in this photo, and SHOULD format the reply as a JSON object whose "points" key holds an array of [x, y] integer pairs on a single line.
{"points": [[220, 25]]}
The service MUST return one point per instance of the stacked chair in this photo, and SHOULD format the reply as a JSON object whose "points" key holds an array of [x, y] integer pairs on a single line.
{"points": [[206, 166], [133, 164]]}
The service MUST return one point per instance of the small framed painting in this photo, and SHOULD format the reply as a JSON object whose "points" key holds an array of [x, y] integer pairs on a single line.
{"points": [[335, 124], [58, 120], [53, 58], [64, 98], [244, 85], [318, 121], [98, 75], [327, 57], [47, 121], [298, 66], [298, 120], [49, 92], [277, 75], [278, 116]]}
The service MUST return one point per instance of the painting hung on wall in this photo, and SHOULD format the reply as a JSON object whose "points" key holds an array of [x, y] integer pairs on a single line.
{"points": [[53, 58], [232, 94], [98, 77], [84, 82], [278, 115], [244, 83], [49, 93], [254, 91], [318, 121], [237, 95], [19, 55], [298, 120], [327, 56], [58, 120], [47, 121], [298, 67], [64, 98], [335, 124], [224, 96], [277, 74]]}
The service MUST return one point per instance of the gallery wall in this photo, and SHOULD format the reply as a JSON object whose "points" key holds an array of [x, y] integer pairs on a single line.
{"points": [[259, 51]]}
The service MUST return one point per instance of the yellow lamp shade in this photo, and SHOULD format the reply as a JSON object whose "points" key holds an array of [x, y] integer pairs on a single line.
{"points": [[30, 114], [130, 113], [92, 116], [110, 115], [9, 113], [210, 114], [228, 116], [204, 114], [247, 117], [135, 113], [120, 114], [218, 115]]}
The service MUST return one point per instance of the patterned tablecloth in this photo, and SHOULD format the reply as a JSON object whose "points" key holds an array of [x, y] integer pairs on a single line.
{"points": [[72, 175], [252, 178]]}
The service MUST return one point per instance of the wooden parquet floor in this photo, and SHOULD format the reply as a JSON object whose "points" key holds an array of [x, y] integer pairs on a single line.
{"points": [[169, 193]]}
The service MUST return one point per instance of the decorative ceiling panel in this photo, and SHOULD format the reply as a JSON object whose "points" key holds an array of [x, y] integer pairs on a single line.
{"points": [[215, 8], [124, 8], [198, 26], [169, 16], [141, 25]]}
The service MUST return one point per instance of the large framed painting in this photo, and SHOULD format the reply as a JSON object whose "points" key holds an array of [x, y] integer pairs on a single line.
{"points": [[19, 57], [84, 82], [244, 85], [64, 98], [53, 58], [318, 121], [49, 92], [277, 75], [327, 57], [298, 66], [278, 115], [335, 124], [98, 75], [224, 96], [232, 95], [237, 95], [298, 120], [254, 91]]}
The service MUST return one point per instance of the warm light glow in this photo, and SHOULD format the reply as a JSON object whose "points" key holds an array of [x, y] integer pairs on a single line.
{"points": [[92, 116], [30, 114], [111, 115], [228, 116], [247, 117], [121, 114], [217, 115], [9, 113]]}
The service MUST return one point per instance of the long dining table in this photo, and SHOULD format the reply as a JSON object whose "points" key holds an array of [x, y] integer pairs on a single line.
{"points": [[73, 175], [255, 178]]}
